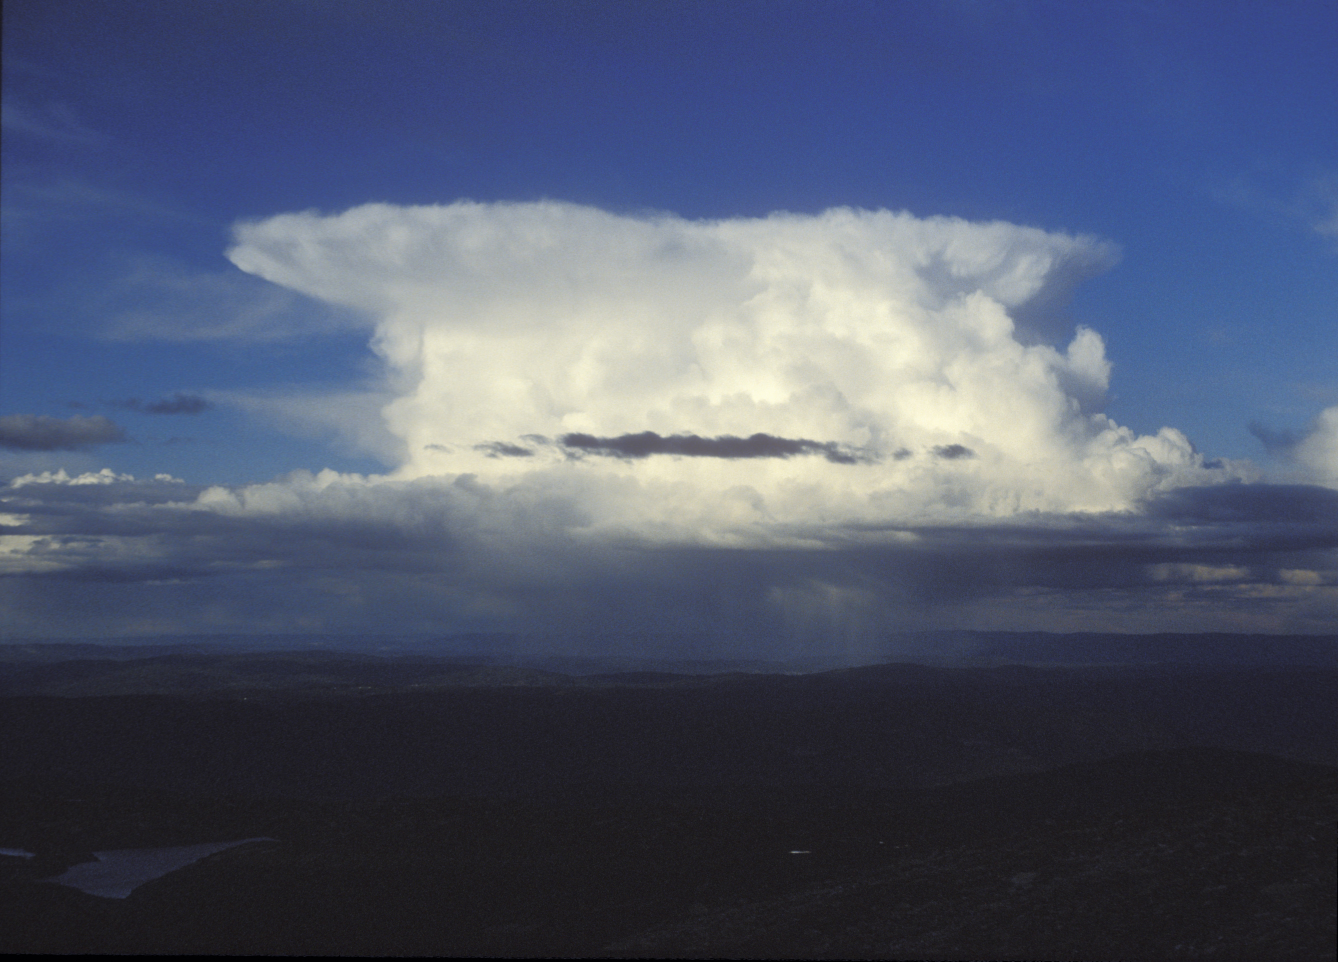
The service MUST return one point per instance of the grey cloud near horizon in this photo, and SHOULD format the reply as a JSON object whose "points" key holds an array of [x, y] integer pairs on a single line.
{"points": [[454, 552], [1311, 508], [41, 432]]}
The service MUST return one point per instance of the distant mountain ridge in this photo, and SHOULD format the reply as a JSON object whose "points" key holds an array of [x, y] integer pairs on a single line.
{"points": [[712, 654]]}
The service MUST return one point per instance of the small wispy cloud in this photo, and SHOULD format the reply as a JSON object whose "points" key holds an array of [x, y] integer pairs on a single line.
{"points": [[1313, 204], [52, 121], [1322, 199], [36, 213], [160, 300], [177, 403]]}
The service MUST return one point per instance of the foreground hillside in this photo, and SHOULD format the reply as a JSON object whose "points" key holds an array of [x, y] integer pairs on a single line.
{"points": [[895, 811], [1235, 859]]}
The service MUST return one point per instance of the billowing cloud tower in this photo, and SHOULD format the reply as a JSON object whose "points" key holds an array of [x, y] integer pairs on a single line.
{"points": [[787, 379]]}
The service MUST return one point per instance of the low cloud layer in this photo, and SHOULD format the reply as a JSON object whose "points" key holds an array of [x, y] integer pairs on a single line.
{"points": [[797, 427], [41, 432], [333, 552]]}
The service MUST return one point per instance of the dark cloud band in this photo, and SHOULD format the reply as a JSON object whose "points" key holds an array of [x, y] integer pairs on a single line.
{"points": [[646, 443], [500, 449], [40, 432]]}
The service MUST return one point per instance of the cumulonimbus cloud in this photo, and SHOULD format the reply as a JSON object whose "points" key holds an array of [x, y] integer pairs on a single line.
{"points": [[598, 419], [863, 337], [41, 432]]}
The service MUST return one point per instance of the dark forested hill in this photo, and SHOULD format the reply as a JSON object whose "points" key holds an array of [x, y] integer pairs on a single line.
{"points": [[425, 806]]}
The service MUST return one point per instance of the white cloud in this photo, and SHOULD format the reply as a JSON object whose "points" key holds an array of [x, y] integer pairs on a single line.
{"points": [[105, 476], [1312, 457], [509, 326], [1317, 452]]}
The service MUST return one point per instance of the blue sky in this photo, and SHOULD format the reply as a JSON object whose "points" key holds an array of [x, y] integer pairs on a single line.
{"points": [[1181, 159]]}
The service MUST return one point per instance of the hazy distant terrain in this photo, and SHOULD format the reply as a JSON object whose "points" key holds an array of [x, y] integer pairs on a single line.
{"points": [[435, 803]]}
